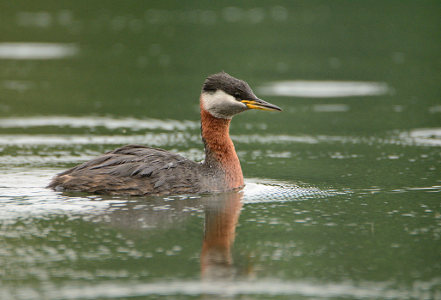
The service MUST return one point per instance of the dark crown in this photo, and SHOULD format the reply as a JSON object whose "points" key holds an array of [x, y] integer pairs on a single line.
{"points": [[230, 85]]}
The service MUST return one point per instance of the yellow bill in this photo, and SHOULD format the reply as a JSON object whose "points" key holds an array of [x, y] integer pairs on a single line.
{"points": [[261, 104]]}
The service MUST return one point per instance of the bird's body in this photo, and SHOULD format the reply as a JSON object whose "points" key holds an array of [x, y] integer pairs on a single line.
{"points": [[141, 170]]}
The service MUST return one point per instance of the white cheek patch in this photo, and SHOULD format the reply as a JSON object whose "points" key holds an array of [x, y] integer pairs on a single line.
{"points": [[221, 104]]}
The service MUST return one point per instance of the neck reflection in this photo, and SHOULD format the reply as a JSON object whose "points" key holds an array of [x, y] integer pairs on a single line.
{"points": [[221, 215]]}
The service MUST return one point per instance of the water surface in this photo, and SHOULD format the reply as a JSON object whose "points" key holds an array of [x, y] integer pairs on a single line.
{"points": [[343, 187]]}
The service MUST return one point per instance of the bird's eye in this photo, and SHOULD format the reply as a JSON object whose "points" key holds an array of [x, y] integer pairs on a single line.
{"points": [[237, 96]]}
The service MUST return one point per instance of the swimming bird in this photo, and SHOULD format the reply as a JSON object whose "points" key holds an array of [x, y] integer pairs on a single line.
{"points": [[141, 170]]}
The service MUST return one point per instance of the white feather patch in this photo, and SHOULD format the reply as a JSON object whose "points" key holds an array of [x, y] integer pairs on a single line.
{"points": [[222, 105]]}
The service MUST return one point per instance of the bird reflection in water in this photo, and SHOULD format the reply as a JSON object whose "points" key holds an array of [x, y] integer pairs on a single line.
{"points": [[221, 211], [221, 215]]}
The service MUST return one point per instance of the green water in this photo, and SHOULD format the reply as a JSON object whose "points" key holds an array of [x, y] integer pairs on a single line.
{"points": [[343, 187]]}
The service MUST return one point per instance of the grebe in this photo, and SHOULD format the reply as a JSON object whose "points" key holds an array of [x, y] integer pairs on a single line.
{"points": [[140, 170]]}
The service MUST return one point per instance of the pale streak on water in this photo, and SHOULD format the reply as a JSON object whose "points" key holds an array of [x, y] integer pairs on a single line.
{"points": [[116, 290], [177, 133], [416, 137], [38, 51], [96, 121], [324, 89]]}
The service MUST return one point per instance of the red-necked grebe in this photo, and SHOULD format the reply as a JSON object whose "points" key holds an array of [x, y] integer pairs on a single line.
{"points": [[141, 170]]}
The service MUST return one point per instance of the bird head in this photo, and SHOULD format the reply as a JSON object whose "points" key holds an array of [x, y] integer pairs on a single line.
{"points": [[224, 96]]}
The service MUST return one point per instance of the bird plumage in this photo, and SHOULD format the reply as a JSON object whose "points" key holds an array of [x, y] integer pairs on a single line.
{"points": [[133, 170]]}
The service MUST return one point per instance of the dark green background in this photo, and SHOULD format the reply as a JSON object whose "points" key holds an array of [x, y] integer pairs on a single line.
{"points": [[148, 59]]}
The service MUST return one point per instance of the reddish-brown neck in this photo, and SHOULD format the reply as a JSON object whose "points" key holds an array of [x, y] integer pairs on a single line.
{"points": [[219, 149]]}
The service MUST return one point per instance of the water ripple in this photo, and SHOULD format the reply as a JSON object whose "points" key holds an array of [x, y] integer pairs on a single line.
{"points": [[265, 190], [158, 139], [112, 290], [94, 121], [324, 89], [416, 137], [36, 50], [175, 133], [423, 136]]}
